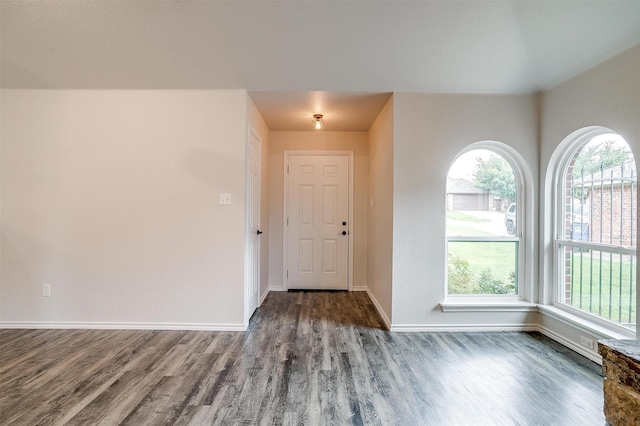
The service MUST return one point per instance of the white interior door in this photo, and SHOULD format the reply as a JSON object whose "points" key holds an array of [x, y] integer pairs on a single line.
{"points": [[317, 227], [252, 264]]}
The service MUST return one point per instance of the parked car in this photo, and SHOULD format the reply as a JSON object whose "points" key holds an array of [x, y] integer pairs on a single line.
{"points": [[510, 219], [579, 228], [581, 214]]}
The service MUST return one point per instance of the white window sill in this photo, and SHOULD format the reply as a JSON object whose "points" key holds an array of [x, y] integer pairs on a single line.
{"points": [[575, 321], [585, 325], [487, 306]]}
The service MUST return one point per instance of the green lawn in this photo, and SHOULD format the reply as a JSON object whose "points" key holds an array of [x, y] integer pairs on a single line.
{"points": [[457, 228], [500, 258], [455, 215], [605, 287], [614, 300], [459, 223]]}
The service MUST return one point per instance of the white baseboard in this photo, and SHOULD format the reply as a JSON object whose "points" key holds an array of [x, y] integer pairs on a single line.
{"points": [[462, 327], [264, 296], [591, 354], [121, 326], [277, 288], [381, 311]]}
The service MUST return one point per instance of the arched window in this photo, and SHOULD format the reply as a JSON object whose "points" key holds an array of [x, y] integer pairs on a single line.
{"points": [[484, 223], [596, 228]]}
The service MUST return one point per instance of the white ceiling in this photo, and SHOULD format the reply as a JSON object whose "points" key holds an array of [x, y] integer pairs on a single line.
{"points": [[310, 47]]}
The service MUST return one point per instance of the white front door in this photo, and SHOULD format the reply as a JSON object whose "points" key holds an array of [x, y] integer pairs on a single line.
{"points": [[252, 264], [317, 217]]}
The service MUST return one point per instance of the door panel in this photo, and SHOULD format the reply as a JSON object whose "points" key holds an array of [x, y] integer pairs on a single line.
{"points": [[306, 205], [329, 256], [306, 256], [330, 205], [318, 204]]}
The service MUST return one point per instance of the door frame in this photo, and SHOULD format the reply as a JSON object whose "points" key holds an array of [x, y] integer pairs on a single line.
{"points": [[248, 311], [350, 188]]}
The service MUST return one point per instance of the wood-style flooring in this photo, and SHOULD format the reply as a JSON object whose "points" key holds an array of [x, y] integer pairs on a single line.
{"points": [[308, 358]]}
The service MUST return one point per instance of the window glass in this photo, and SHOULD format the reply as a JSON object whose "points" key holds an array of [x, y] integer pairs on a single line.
{"points": [[598, 227], [482, 226]]}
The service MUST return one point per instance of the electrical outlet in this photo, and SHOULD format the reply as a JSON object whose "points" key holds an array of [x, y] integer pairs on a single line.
{"points": [[586, 342], [46, 290], [225, 199]]}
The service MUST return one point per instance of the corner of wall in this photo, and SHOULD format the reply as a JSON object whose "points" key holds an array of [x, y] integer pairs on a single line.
{"points": [[380, 211]]}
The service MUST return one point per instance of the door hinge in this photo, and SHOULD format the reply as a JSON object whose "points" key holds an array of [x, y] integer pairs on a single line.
{"points": [[287, 221], [287, 169], [287, 274]]}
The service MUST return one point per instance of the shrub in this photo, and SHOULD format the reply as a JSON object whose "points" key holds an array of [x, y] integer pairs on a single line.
{"points": [[460, 276], [488, 284]]}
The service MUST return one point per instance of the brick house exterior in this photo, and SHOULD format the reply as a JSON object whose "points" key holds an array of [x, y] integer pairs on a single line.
{"points": [[611, 198], [609, 209]]}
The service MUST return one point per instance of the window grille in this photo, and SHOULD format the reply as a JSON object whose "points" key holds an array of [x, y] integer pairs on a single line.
{"points": [[597, 239]]}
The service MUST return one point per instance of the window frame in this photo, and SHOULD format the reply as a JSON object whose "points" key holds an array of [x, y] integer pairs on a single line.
{"points": [[572, 145], [522, 180]]}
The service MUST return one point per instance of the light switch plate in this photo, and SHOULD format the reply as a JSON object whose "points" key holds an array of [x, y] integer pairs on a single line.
{"points": [[225, 199]]}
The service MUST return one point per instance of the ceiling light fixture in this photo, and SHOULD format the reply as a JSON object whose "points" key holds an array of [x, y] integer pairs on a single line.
{"points": [[318, 123]]}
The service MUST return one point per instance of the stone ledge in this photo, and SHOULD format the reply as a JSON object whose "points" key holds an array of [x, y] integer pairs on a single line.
{"points": [[621, 369], [624, 348], [621, 407]]}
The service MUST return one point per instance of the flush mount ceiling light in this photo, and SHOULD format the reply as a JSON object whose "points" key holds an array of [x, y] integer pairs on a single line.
{"points": [[318, 123]]}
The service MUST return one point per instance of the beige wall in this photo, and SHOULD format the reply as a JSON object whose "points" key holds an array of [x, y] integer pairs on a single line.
{"points": [[380, 216], [429, 131], [111, 197], [256, 121], [317, 140]]}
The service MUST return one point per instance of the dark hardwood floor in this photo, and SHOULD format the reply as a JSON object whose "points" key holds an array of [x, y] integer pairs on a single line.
{"points": [[310, 358]]}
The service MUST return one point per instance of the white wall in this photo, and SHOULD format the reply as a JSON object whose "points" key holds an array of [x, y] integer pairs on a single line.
{"points": [[111, 197], [317, 140], [429, 131], [607, 95], [256, 121], [380, 215]]}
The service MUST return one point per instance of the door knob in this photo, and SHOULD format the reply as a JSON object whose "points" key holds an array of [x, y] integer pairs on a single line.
{"points": [[344, 232], [259, 232], [344, 223]]}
